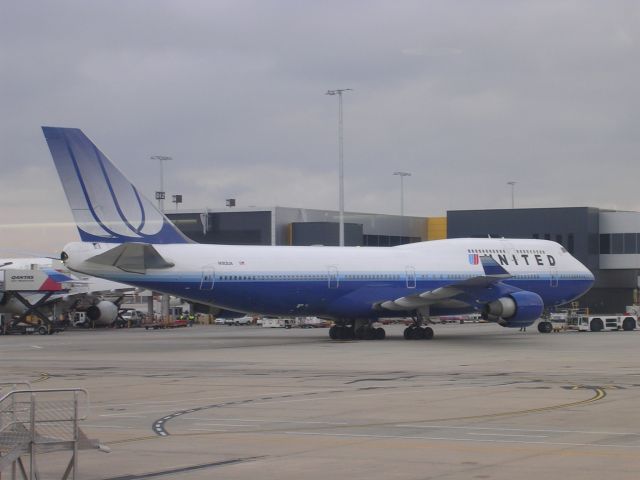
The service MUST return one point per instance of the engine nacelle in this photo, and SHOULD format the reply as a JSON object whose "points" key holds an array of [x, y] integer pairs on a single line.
{"points": [[103, 313], [518, 309]]}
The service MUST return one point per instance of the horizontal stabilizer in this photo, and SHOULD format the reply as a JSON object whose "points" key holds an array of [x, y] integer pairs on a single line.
{"points": [[132, 257]]}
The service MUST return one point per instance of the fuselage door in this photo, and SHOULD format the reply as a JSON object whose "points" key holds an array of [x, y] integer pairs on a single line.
{"points": [[333, 277], [208, 278], [411, 277]]}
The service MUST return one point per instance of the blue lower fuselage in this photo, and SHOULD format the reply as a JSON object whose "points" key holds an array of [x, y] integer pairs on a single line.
{"points": [[342, 298]]}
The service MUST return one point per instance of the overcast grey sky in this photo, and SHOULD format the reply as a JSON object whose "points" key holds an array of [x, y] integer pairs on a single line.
{"points": [[465, 95]]}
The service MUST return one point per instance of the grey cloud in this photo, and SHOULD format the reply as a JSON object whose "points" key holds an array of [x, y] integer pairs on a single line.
{"points": [[466, 95]]}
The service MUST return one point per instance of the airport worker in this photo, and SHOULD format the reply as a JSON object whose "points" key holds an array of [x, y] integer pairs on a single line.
{"points": [[192, 319]]}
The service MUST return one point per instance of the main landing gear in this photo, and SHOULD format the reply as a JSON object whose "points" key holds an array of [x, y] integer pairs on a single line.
{"points": [[360, 329], [416, 331]]}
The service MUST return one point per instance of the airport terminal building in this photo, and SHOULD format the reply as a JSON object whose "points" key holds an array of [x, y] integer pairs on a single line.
{"points": [[302, 226], [606, 241]]}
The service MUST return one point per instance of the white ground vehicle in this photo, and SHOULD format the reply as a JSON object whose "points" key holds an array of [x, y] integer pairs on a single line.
{"points": [[132, 317], [246, 320], [597, 323], [280, 322]]}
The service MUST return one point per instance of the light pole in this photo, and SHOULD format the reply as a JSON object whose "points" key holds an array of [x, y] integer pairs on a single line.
{"points": [[402, 175], [165, 299], [513, 184], [339, 92], [160, 194]]}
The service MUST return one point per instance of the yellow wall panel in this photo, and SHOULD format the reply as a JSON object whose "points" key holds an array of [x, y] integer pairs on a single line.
{"points": [[436, 228]]}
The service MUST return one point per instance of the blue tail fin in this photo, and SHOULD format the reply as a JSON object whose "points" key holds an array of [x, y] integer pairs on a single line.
{"points": [[492, 268], [105, 205]]}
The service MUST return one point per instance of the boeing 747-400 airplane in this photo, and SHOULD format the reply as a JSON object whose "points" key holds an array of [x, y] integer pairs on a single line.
{"points": [[126, 239]]}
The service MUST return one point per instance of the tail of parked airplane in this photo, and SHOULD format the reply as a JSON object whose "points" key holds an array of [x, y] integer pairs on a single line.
{"points": [[105, 205]]}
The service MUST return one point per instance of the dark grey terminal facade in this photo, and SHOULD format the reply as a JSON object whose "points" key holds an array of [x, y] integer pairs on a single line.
{"points": [[606, 241]]}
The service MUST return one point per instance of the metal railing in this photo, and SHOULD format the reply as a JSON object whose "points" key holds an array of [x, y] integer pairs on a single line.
{"points": [[41, 421]]}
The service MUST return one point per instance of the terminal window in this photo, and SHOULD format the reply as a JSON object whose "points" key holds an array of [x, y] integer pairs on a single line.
{"points": [[617, 243], [629, 243]]}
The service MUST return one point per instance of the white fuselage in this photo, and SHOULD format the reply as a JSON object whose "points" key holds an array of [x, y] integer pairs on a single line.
{"points": [[340, 281]]}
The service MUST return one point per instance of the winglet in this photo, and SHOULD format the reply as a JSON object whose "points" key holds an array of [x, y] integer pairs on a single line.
{"points": [[106, 206]]}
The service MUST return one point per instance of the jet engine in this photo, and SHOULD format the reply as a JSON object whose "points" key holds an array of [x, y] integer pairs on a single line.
{"points": [[103, 313], [518, 309], [11, 305]]}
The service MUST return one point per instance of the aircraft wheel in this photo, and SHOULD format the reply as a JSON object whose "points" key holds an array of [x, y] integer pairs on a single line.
{"points": [[333, 333], [370, 333], [417, 333], [545, 327], [628, 324], [347, 333], [407, 333], [427, 333], [379, 334]]}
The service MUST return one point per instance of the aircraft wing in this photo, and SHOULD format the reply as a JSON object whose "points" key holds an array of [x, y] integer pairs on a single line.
{"points": [[483, 288]]}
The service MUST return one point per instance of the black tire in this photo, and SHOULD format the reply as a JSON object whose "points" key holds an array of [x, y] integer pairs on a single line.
{"points": [[369, 333], [427, 333], [628, 324], [347, 333], [545, 327], [379, 334], [360, 333], [407, 333], [596, 325], [333, 333], [42, 330], [417, 333]]}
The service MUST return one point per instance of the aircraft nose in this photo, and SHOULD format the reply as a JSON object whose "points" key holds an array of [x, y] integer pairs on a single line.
{"points": [[589, 275]]}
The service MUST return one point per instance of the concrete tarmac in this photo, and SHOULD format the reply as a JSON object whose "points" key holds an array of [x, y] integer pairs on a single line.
{"points": [[477, 402]]}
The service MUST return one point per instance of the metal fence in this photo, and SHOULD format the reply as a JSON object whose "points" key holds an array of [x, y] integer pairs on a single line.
{"points": [[39, 421]]}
